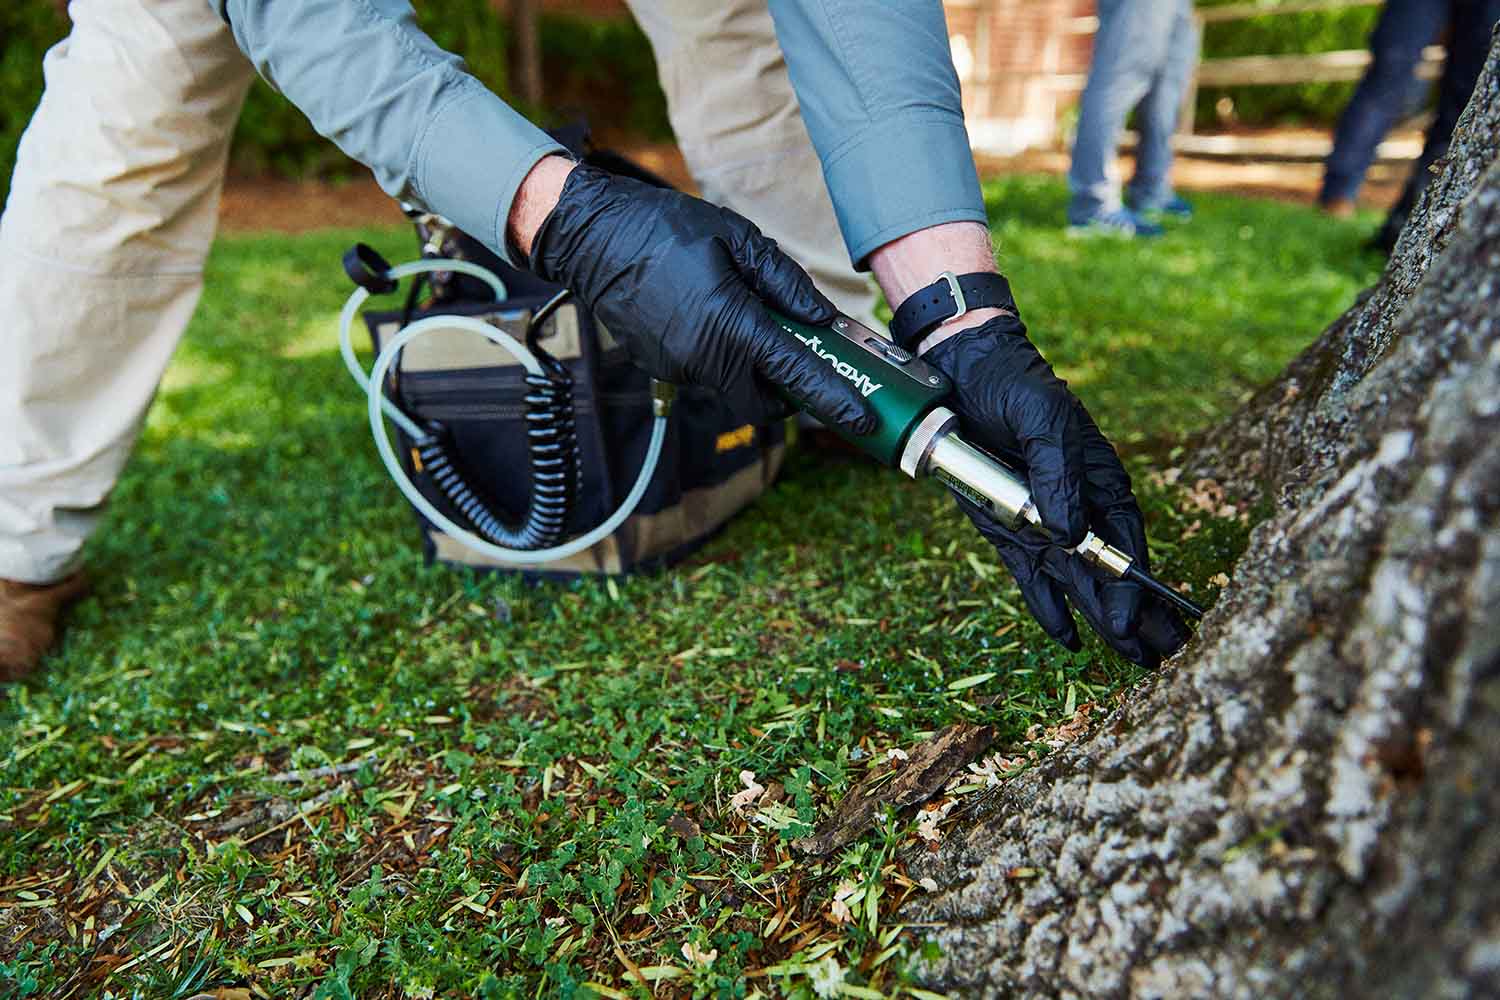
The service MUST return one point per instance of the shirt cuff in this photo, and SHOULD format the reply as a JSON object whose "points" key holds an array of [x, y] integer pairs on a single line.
{"points": [[471, 160], [911, 171]]}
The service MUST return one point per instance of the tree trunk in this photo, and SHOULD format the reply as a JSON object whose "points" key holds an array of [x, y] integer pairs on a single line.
{"points": [[1293, 421], [1302, 802], [528, 51]]}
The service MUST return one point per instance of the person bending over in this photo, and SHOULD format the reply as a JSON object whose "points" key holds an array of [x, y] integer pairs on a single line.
{"points": [[123, 166]]}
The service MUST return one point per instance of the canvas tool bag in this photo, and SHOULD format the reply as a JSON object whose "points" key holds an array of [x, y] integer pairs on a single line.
{"points": [[712, 464]]}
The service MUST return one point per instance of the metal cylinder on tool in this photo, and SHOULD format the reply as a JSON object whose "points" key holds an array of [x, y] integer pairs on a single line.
{"points": [[919, 436]]}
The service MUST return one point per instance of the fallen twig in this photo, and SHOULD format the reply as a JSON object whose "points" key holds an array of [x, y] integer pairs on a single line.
{"points": [[285, 812], [314, 773], [901, 784]]}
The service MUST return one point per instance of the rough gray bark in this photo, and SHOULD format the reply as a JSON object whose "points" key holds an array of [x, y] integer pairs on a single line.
{"points": [[1293, 420], [1303, 802]]}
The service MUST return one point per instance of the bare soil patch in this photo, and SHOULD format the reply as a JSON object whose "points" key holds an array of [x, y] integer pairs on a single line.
{"points": [[274, 204]]}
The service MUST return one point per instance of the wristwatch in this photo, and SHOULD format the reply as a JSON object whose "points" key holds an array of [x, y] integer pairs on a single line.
{"points": [[947, 298]]}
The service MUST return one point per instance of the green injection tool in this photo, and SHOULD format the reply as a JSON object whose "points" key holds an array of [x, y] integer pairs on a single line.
{"points": [[918, 435]]}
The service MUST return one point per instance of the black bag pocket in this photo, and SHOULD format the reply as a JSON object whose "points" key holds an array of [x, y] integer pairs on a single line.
{"points": [[711, 466]]}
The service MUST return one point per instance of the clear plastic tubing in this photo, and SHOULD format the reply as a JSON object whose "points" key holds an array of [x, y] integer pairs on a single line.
{"points": [[380, 408]]}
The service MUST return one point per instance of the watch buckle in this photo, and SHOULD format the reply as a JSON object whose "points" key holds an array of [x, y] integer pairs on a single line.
{"points": [[958, 295]]}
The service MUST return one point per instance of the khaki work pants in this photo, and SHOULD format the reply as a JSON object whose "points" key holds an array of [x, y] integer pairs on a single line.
{"points": [[114, 202]]}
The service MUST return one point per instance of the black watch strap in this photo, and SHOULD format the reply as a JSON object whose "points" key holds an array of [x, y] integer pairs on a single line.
{"points": [[949, 296]]}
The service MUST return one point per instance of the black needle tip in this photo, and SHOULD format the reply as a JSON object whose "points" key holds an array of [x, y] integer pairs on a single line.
{"points": [[1166, 593]]}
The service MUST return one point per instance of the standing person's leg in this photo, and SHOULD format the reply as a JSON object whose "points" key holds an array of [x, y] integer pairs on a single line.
{"points": [[1157, 115], [1473, 21], [111, 212], [1383, 94], [1129, 51], [741, 132], [1473, 26]]}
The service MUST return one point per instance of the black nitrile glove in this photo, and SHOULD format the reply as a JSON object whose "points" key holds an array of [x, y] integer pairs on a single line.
{"points": [[684, 286], [1011, 402]]}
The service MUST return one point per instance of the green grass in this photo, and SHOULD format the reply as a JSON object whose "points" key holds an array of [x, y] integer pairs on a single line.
{"points": [[553, 765]]}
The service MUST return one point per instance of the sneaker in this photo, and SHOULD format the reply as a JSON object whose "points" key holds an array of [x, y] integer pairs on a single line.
{"points": [[1176, 208], [29, 616], [1120, 222]]}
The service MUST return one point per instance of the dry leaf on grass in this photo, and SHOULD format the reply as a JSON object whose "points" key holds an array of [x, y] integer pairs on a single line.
{"points": [[929, 818], [1061, 735], [752, 791], [915, 780], [991, 769], [838, 910], [699, 956]]}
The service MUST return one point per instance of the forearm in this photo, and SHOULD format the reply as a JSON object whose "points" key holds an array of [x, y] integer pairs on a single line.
{"points": [[915, 260], [877, 89], [368, 78], [536, 197]]}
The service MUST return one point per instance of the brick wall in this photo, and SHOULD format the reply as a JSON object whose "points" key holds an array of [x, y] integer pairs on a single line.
{"points": [[1020, 63]]}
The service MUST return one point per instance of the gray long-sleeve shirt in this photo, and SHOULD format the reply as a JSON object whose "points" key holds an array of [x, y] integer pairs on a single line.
{"points": [[873, 77]]}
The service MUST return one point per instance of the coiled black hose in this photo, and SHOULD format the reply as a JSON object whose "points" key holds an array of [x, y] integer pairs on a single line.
{"points": [[552, 443]]}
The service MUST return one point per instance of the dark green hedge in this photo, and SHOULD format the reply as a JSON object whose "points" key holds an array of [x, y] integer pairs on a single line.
{"points": [[273, 136], [27, 29], [602, 69], [1283, 34]]}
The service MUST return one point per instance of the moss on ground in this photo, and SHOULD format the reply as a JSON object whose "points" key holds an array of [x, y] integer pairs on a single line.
{"points": [[544, 794]]}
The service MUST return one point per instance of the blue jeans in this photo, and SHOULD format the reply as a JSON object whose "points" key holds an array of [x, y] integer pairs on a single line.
{"points": [[1388, 89], [1144, 53], [1473, 22]]}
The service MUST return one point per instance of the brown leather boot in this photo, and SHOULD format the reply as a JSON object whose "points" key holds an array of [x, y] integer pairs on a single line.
{"points": [[28, 621]]}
